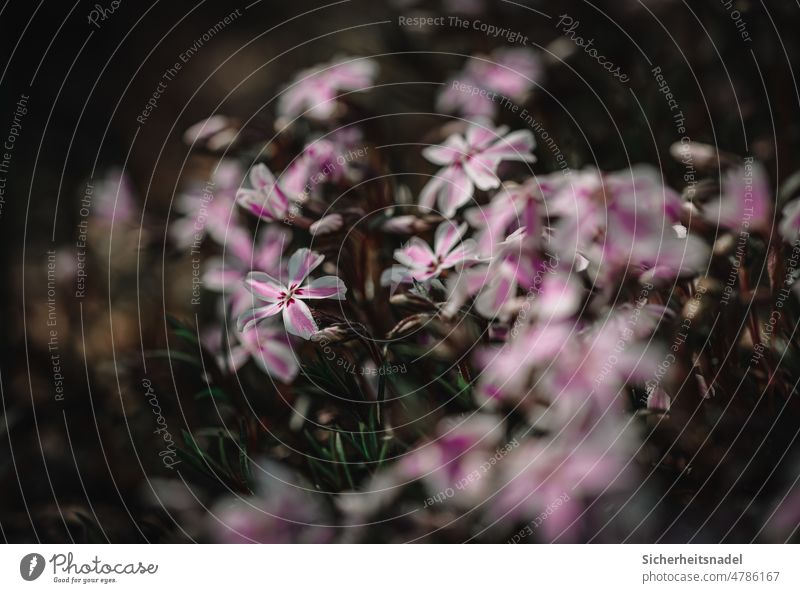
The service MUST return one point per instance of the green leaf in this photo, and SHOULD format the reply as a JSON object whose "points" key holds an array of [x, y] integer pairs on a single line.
{"points": [[174, 355], [212, 392]]}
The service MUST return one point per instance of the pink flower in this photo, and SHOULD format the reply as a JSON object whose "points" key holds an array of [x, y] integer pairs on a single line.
{"points": [[459, 449], [314, 91], [420, 262], [115, 198], [623, 224], [516, 264], [566, 375], [658, 400], [267, 199], [327, 224], [289, 299], [332, 159], [208, 209], [515, 206], [314, 166], [226, 274], [507, 72], [270, 348], [553, 481], [216, 132], [283, 509], [746, 200], [471, 161]]}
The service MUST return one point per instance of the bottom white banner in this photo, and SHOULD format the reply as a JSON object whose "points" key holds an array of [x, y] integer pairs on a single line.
{"points": [[389, 569]]}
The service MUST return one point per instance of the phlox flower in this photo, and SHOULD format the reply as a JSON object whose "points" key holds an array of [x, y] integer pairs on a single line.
{"points": [[515, 206], [283, 509], [555, 480], [458, 449], [518, 264], [623, 225], [745, 201], [508, 72], [270, 348], [288, 299], [315, 165], [115, 198], [208, 209], [331, 159], [314, 91], [226, 273], [566, 374], [419, 262], [471, 161], [267, 199]]}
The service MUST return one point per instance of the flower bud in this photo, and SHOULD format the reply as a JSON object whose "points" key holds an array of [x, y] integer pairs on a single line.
{"points": [[215, 133]]}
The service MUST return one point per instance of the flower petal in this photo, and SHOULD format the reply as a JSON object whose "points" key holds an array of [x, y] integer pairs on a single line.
{"points": [[447, 235], [415, 254], [264, 286], [327, 224], [427, 197], [480, 134], [250, 318], [481, 170], [273, 207], [302, 263], [221, 275], [278, 361], [517, 146], [261, 177], [327, 287], [455, 192], [298, 320], [453, 149], [465, 251]]}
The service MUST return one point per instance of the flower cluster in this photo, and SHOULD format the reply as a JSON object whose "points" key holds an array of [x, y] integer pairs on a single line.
{"points": [[539, 309]]}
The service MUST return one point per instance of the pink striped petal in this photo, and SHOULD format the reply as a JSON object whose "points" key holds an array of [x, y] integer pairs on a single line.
{"points": [[427, 197], [453, 150], [273, 207], [271, 243], [456, 191], [415, 254], [481, 170], [275, 357], [327, 287], [264, 286], [298, 320], [327, 224], [447, 235], [249, 319], [221, 276], [296, 179], [492, 300], [302, 263], [517, 146], [480, 135], [261, 177], [237, 357], [465, 251]]}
